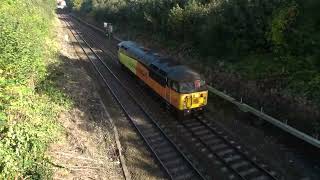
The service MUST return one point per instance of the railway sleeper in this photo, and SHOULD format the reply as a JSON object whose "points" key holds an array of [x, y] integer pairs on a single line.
{"points": [[150, 131], [201, 132], [161, 145], [192, 123], [231, 176], [212, 141], [173, 163], [210, 136], [261, 177], [204, 132], [168, 156], [156, 139], [221, 150], [225, 152], [167, 150], [245, 167], [233, 158], [184, 131], [148, 126], [197, 128], [179, 169], [218, 146], [255, 175], [239, 164], [152, 136], [184, 176], [248, 171]]}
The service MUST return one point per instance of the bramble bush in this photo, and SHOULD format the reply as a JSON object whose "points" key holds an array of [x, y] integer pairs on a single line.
{"points": [[28, 111]]}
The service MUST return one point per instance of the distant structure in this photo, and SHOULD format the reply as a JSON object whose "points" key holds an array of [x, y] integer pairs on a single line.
{"points": [[61, 4]]}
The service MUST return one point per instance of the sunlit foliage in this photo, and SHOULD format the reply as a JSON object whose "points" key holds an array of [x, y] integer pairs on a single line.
{"points": [[29, 103], [256, 38]]}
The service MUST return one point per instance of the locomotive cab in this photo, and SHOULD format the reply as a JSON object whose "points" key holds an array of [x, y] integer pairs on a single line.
{"points": [[193, 96], [190, 90], [180, 87]]}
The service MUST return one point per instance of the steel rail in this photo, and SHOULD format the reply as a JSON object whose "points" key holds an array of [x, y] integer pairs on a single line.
{"points": [[244, 155], [124, 169], [242, 106], [215, 154], [131, 118], [121, 105], [285, 127]]}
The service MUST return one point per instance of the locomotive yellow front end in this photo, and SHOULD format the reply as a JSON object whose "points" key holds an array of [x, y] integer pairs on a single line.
{"points": [[193, 101], [180, 87], [189, 97], [193, 97]]}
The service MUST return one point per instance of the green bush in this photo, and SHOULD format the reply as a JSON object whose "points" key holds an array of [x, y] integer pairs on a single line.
{"points": [[284, 35], [27, 111]]}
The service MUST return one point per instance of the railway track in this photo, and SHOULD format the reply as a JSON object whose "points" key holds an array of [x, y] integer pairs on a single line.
{"points": [[214, 146], [314, 141], [170, 157], [232, 155]]}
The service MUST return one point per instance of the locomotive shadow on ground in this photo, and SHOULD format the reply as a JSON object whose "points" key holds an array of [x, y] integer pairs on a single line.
{"points": [[124, 125], [57, 72], [142, 166]]}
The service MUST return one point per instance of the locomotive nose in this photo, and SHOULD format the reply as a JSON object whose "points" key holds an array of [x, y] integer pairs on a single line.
{"points": [[188, 102], [199, 99]]}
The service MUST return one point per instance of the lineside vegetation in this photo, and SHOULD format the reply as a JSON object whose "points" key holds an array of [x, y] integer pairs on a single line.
{"points": [[258, 39], [29, 100]]}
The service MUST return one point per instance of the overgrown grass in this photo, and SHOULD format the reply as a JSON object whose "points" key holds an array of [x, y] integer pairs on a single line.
{"points": [[29, 100]]}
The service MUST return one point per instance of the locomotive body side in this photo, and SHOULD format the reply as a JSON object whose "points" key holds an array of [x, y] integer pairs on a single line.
{"points": [[183, 103]]}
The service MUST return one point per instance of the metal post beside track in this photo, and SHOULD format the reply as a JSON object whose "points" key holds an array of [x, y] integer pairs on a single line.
{"points": [[242, 106], [246, 108]]}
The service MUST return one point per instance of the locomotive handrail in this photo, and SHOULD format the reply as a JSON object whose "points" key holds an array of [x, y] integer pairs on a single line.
{"points": [[242, 106]]}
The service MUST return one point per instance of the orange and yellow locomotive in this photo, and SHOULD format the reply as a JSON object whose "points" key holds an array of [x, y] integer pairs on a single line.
{"points": [[179, 86]]}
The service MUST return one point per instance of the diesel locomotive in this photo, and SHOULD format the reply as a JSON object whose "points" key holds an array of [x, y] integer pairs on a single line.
{"points": [[179, 86]]}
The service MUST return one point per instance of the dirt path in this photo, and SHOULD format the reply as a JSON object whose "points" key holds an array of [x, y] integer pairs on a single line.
{"points": [[88, 149]]}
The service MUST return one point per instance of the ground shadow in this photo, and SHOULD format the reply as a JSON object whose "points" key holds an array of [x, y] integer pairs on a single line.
{"points": [[77, 80]]}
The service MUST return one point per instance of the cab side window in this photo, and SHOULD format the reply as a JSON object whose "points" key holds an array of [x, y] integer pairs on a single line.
{"points": [[157, 76], [174, 86]]}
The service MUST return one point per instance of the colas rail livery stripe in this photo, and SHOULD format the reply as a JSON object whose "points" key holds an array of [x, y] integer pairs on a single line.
{"points": [[191, 100]]}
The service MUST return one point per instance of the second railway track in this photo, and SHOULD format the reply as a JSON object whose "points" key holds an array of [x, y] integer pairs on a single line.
{"points": [[213, 145], [231, 154], [172, 159]]}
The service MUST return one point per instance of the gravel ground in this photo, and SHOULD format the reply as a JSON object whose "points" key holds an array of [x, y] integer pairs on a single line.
{"points": [[293, 158], [87, 150], [139, 161], [272, 145]]}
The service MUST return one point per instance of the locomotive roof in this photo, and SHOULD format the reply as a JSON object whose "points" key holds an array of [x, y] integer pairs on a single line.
{"points": [[174, 70]]}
